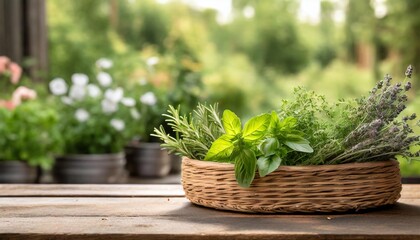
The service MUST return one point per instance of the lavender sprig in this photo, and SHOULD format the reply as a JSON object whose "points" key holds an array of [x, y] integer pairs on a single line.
{"points": [[380, 134]]}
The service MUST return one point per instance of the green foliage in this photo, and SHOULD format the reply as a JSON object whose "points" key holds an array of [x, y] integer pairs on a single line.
{"points": [[271, 40], [78, 34], [149, 113], [28, 133]]}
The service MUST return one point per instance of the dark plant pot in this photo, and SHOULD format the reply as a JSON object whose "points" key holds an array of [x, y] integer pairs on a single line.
{"points": [[89, 168], [176, 162], [17, 172], [147, 160], [411, 180]]}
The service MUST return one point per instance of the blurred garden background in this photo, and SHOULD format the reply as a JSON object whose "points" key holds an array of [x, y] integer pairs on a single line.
{"points": [[247, 55]]}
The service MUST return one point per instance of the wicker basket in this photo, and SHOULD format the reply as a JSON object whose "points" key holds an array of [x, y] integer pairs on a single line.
{"points": [[326, 188]]}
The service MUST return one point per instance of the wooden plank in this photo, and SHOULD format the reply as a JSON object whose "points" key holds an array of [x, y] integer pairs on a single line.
{"points": [[214, 224], [176, 218], [151, 206], [410, 191], [91, 190]]}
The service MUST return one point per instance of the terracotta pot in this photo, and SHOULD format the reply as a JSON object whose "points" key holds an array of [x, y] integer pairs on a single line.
{"points": [[17, 172], [147, 160], [89, 168]]}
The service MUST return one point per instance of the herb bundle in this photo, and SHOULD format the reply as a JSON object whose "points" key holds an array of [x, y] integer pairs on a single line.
{"points": [[356, 130], [262, 144], [306, 131]]}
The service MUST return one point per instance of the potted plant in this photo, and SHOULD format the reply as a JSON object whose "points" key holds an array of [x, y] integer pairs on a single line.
{"points": [[27, 133], [94, 124], [163, 81], [311, 156], [145, 158]]}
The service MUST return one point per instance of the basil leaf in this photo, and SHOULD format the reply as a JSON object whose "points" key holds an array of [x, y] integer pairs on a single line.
{"points": [[245, 167], [269, 146], [300, 146], [288, 123], [267, 165], [221, 149], [256, 127], [274, 122], [231, 123], [295, 138]]}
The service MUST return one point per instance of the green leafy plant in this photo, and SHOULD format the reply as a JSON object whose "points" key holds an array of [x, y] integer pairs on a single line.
{"points": [[261, 144], [28, 133], [236, 145]]}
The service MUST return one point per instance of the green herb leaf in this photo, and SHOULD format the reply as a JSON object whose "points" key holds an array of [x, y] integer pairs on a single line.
{"points": [[288, 123], [269, 146], [245, 167], [300, 146], [231, 123], [275, 121], [267, 165], [256, 127], [221, 149]]}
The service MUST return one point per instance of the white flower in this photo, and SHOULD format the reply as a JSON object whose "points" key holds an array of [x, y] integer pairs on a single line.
{"points": [[118, 124], [104, 63], [67, 100], [77, 92], [148, 98], [135, 114], [109, 106], [58, 86], [143, 81], [104, 79], [81, 115], [152, 61], [128, 102], [114, 95], [79, 79], [93, 90]]}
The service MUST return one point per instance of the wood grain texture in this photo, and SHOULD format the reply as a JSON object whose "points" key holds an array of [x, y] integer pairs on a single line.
{"points": [[410, 191], [148, 216], [91, 190]]}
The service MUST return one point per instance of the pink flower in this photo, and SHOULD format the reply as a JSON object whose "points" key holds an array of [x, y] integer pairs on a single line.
{"points": [[15, 72], [22, 93], [11, 67], [7, 104], [4, 61]]}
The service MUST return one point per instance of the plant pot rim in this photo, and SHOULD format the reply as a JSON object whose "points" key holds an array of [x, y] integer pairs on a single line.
{"points": [[15, 162], [92, 156], [144, 144]]}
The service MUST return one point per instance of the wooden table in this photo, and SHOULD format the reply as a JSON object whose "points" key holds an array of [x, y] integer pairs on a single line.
{"points": [[161, 212]]}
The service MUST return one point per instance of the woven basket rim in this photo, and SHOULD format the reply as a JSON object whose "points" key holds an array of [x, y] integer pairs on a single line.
{"points": [[327, 167]]}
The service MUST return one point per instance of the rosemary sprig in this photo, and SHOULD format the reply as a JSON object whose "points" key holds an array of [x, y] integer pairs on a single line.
{"points": [[194, 133]]}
